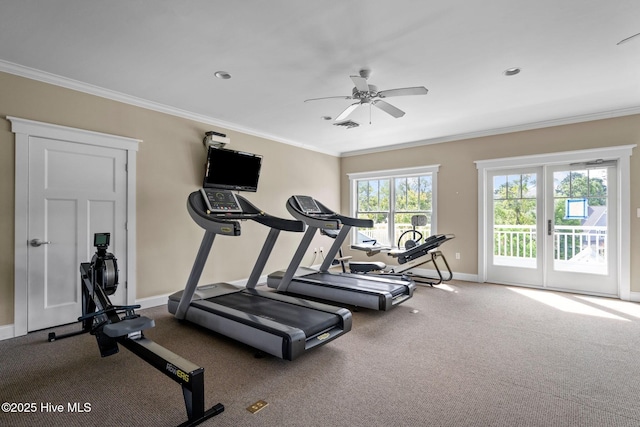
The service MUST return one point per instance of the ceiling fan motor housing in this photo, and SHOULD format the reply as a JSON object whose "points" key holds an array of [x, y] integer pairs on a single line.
{"points": [[372, 93]]}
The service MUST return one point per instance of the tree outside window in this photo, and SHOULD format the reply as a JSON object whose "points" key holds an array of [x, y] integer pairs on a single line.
{"points": [[391, 202]]}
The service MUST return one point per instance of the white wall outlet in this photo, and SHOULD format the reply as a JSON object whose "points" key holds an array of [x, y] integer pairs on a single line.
{"points": [[457, 255]]}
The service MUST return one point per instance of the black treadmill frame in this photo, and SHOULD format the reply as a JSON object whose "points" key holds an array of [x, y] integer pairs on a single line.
{"points": [[330, 286], [197, 304]]}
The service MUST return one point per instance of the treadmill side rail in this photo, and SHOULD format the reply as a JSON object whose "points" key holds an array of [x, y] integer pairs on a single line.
{"points": [[267, 334]]}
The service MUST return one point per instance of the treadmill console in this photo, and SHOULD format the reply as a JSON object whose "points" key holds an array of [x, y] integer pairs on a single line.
{"points": [[307, 205], [220, 201]]}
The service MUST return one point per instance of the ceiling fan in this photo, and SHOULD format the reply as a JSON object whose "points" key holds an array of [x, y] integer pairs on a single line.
{"points": [[368, 94]]}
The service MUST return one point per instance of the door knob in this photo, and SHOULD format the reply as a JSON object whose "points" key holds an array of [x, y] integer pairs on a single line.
{"points": [[37, 242]]}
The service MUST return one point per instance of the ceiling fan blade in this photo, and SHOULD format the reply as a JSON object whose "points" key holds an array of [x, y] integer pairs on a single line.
{"points": [[419, 90], [328, 97], [361, 83], [347, 112], [388, 108]]}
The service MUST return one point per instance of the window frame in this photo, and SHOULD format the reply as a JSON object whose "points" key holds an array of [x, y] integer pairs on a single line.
{"points": [[392, 175]]}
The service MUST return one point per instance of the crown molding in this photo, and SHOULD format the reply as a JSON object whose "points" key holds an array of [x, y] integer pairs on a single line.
{"points": [[56, 80], [499, 131]]}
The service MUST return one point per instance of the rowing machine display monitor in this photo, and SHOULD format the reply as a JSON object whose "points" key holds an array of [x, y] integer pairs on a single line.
{"points": [[101, 240]]}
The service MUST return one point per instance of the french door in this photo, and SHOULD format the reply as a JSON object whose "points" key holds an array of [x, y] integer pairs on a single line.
{"points": [[554, 226], [582, 228]]}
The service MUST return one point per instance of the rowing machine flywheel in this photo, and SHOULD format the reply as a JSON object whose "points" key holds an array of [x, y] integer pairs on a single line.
{"points": [[106, 272]]}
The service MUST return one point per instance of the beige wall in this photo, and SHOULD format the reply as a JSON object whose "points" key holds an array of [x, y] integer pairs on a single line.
{"points": [[171, 158], [170, 165], [458, 177]]}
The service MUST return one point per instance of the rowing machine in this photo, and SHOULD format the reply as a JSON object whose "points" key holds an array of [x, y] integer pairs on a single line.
{"points": [[113, 325]]}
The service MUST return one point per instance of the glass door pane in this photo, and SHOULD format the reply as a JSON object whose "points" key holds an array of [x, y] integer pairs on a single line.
{"points": [[513, 253], [581, 235], [580, 218], [514, 220]]}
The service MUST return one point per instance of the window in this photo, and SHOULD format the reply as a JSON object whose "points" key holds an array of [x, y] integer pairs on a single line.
{"points": [[397, 201]]}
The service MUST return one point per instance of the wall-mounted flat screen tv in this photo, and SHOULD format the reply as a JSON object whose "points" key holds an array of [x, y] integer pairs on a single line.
{"points": [[232, 170]]}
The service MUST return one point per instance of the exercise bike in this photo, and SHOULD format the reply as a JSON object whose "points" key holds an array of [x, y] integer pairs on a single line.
{"points": [[120, 324], [411, 245]]}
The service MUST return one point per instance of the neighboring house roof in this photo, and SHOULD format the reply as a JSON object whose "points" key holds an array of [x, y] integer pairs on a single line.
{"points": [[597, 216]]}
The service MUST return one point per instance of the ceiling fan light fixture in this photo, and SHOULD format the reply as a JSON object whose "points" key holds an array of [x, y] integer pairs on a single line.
{"points": [[368, 94], [222, 75], [512, 71]]}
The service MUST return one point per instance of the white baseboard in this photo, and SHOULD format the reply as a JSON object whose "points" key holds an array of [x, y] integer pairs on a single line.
{"points": [[6, 332], [157, 300], [634, 296], [153, 301]]}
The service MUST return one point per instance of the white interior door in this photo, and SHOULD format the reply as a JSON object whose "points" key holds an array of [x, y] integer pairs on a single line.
{"points": [[75, 190]]}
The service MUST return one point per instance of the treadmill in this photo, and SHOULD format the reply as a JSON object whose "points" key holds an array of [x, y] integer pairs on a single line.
{"points": [[277, 324], [370, 291]]}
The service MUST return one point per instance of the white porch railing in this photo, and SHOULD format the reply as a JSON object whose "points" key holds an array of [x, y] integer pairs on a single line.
{"points": [[578, 244]]}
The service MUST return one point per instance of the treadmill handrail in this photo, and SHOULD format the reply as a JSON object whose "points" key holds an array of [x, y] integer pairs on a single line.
{"points": [[229, 224], [326, 219], [271, 221], [325, 215]]}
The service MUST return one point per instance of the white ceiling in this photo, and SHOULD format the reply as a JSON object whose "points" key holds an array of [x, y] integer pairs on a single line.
{"points": [[163, 54]]}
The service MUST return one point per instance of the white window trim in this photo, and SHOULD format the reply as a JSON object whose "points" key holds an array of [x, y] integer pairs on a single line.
{"points": [[354, 177], [620, 153]]}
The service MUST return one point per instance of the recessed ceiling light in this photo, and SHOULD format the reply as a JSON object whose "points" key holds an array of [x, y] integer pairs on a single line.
{"points": [[222, 75], [511, 71]]}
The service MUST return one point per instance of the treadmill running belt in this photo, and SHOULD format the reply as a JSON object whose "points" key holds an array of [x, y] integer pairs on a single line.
{"points": [[312, 322], [353, 282]]}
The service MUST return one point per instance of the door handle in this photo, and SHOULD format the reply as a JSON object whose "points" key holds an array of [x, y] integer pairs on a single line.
{"points": [[549, 231], [37, 242]]}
